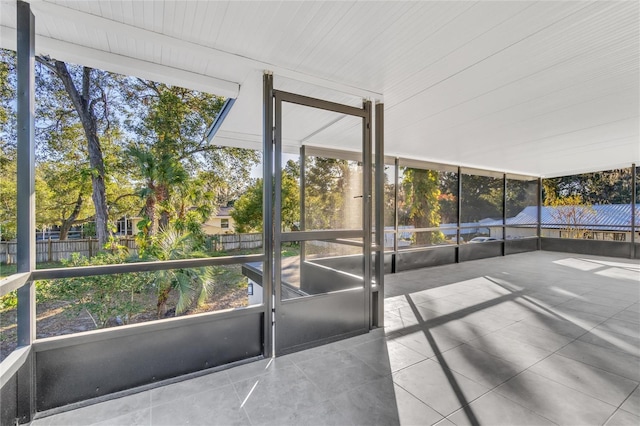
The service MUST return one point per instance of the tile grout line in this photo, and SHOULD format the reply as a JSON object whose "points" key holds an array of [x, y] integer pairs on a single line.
{"points": [[235, 390], [516, 375], [556, 353], [619, 408]]}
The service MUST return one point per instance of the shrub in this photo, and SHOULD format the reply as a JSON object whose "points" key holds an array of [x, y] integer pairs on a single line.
{"points": [[104, 297]]}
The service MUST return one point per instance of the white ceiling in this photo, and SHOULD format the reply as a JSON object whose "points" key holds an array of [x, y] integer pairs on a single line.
{"points": [[539, 88]]}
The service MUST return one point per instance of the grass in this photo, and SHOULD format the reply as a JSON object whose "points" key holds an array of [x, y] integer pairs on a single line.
{"points": [[6, 270], [288, 251], [239, 252]]}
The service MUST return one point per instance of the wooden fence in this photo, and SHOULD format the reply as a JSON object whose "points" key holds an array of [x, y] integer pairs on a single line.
{"points": [[226, 242], [56, 250]]}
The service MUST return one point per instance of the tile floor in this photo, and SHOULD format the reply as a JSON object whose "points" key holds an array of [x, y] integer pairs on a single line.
{"points": [[533, 338]]}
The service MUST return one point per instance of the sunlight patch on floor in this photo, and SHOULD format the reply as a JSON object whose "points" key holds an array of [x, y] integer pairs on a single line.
{"points": [[577, 264]]}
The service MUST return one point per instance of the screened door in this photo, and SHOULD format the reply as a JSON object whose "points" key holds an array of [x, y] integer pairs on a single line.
{"points": [[322, 221]]}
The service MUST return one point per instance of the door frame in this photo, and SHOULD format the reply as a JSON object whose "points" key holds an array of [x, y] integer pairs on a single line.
{"points": [[339, 305]]}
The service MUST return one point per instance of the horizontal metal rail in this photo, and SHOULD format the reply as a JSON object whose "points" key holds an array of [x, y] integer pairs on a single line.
{"points": [[11, 364], [318, 103], [425, 247], [478, 225], [13, 282], [346, 242], [619, 225], [84, 271], [439, 228], [321, 235]]}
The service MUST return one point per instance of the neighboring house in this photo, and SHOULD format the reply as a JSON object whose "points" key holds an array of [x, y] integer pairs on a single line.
{"points": [[221, 223], [610, 222], [127, 225]]}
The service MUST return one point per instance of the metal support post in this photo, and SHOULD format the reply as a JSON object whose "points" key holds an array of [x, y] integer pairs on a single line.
{"points": [[366, 200], [26, 224], [277, 211], [634, 200], [303, 190], [396, 216], [539, 225], [379, 215], [459, 214], [504, 214], [267, 212]]}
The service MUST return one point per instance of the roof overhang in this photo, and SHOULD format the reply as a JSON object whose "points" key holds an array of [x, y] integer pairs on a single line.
{"points": [[538, 88]]}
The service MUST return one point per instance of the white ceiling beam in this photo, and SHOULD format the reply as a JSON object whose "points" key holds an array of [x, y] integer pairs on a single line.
{"points": [[77, 54], [55, 11]]}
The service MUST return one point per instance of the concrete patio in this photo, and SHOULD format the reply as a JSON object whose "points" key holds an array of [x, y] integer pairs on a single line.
{"points": [[533, 338]]}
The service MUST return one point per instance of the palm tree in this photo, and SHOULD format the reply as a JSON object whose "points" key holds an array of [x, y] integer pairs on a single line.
{"points": [[193, 285], [160, 174]]}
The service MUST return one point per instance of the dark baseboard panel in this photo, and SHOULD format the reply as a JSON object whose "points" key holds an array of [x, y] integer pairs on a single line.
{"points": [[87, 366], [597, 248], [9, 401], [312, 321], [520, 246], [434, 256], [479, 250]]}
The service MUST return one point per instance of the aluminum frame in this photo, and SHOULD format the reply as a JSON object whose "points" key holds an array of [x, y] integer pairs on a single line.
{"points": [[634, 201], [26, 210], [348, 324], [267, 213], [377, 301]]}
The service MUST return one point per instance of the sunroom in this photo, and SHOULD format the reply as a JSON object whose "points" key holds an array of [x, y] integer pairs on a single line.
{"points": [[416, 175]]}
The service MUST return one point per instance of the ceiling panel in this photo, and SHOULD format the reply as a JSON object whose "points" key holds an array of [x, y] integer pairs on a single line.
{"points": [[532, 87]]}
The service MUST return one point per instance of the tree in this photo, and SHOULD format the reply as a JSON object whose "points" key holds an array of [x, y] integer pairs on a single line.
{"points": [[159, 175], [175, 160], [62, 152], [605, 187], [422, 193], [331, 188], [520, 194], [389, 200], [8, 193], [61, 192], [481, 198], [87, 90], [193, 285], [7, 145], [247, 210], [572, 214]]}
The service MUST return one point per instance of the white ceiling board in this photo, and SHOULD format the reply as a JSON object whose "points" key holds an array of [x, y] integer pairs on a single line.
{"points": [[535, 98], [531, 87]]}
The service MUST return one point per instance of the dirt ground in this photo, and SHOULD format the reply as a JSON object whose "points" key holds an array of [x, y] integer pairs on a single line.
{"points": [[52, 320]]}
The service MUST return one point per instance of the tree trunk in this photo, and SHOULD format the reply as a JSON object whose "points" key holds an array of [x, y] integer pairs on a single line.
{"points": [[163, 198], [68, 222], [150, 212], [163, 297], [84, 107]]}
